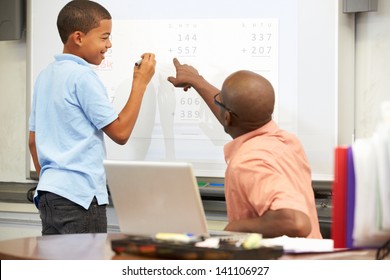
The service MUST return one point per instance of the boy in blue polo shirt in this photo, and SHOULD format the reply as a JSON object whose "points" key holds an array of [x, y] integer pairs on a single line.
{"points": [[70, 113]]}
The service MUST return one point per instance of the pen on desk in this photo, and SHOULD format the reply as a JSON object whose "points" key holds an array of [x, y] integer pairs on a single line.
{"points": [[138, 63], [177, 237]]}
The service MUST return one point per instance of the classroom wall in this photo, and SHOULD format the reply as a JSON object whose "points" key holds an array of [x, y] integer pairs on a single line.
{"points": [[372, 87], [13, 97]]}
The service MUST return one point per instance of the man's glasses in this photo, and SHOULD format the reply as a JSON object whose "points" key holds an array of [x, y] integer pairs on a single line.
{"points": [[220, 104]]}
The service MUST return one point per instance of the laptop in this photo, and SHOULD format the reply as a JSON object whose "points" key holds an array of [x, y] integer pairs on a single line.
{"points": [[163, 197], [154, 197]]}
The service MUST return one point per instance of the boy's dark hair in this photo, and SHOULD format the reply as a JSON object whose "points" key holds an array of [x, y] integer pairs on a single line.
{"points": [[80, 15]]}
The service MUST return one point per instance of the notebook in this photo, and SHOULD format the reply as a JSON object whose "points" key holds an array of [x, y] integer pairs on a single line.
{"points": [[153, 197]]}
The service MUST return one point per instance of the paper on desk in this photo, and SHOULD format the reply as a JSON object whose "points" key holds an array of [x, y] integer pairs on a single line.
{"points": [[300, 245]]}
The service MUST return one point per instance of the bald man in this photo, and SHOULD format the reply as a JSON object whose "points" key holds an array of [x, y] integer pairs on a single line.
{"points": [[268, 179]]}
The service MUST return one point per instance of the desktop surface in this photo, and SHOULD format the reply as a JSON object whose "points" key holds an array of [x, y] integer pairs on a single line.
{"points": [[98, 247]]}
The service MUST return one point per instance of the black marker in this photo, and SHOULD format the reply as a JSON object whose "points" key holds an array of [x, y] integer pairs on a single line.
{"points": [[138, 63]]}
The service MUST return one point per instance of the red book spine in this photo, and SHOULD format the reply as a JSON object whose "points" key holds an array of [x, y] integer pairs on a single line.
{"points": [[339, 197]]}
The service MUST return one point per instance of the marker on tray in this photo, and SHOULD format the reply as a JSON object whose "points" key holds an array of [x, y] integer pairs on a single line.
{"points": [[216, 184], [203, 184]]}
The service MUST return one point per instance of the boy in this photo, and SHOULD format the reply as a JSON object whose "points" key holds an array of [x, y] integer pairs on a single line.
{"points": [[70, 112]]}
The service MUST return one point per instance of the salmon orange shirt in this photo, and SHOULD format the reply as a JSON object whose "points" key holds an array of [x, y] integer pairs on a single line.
{"points": [[267, 169]]}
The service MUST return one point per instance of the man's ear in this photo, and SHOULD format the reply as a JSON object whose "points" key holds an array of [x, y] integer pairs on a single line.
{"points": [[227, 118], [77, 37]]}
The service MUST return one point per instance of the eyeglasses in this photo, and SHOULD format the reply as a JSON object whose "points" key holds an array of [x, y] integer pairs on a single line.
{"points": [[220, 104]]}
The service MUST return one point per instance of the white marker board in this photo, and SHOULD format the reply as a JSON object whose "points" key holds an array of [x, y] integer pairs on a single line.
{"points": [[291, 42]]}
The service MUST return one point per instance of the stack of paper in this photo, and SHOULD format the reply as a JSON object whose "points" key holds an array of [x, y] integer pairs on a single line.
{"points": [[300, 245], [372, 198]]}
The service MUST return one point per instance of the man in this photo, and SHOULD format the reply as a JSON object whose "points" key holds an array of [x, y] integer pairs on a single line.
{"points": [[268, 178]]}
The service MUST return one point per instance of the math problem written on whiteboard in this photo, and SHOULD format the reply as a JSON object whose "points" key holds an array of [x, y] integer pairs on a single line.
{"points": [[171, 120], [218, 47]]}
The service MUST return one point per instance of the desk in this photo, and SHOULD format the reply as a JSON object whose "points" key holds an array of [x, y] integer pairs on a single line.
{"points": [[61, 247], [98, 247]]}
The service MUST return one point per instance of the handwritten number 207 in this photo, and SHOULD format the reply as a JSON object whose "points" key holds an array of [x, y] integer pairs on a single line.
{"points": [[261, 50]]}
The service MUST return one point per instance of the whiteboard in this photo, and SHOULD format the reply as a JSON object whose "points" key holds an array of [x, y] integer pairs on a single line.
{"points": [[293, 43]]}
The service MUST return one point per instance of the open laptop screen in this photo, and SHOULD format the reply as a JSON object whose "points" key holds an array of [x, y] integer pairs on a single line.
{"points": [[151, 197]]}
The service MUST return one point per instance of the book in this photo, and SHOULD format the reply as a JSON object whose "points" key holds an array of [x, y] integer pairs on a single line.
{"points": [[339, 197], [350, 207]]}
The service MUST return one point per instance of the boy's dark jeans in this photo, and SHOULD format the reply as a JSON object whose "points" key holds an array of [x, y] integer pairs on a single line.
{"points": [[61, 216]]}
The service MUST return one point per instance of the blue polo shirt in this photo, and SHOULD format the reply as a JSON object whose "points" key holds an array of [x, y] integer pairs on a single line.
{"points": [[70, 107]]}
